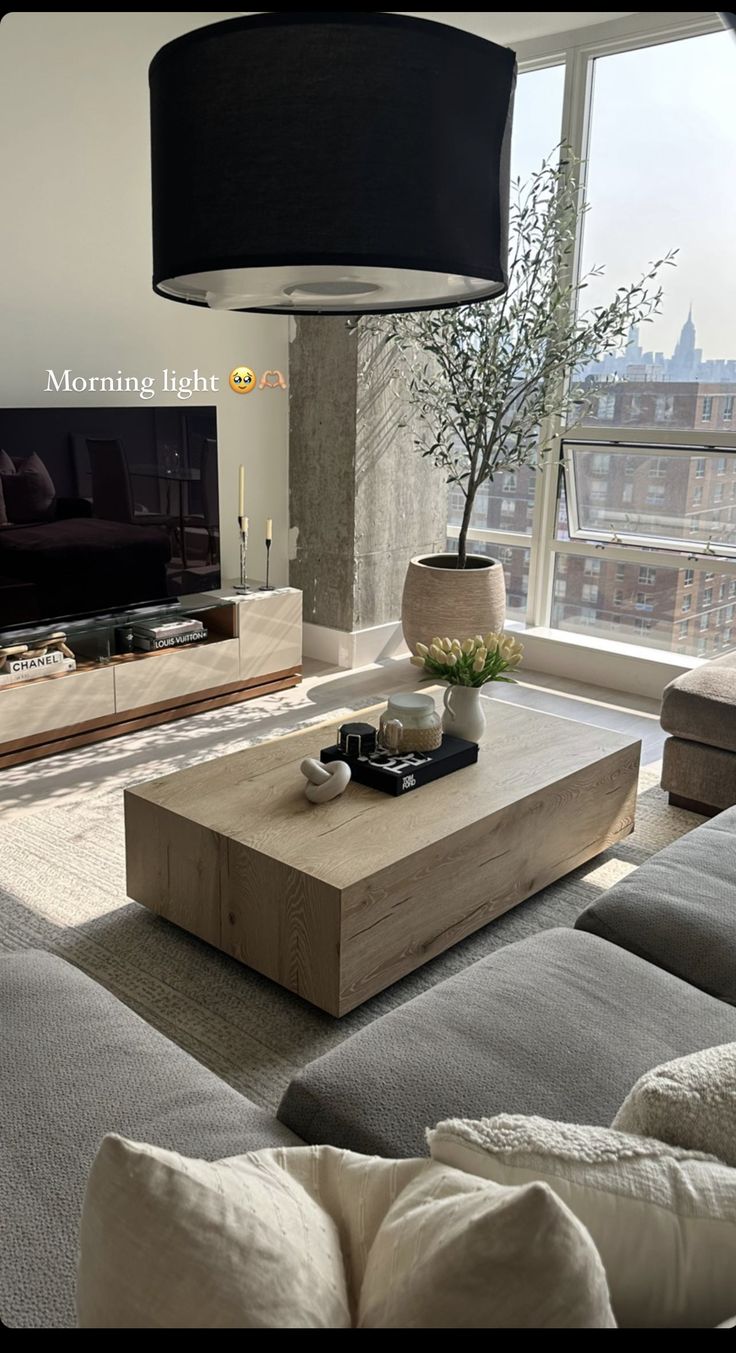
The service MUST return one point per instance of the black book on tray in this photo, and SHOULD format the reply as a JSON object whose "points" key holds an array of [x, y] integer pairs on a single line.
{"points": [[400, 772]]}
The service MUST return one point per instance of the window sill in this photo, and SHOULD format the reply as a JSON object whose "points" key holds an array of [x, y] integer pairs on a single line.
{"points": [[634, 668]]}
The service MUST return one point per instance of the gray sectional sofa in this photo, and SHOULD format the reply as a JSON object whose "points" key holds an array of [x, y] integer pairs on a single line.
{"points": [[560, 1024]]}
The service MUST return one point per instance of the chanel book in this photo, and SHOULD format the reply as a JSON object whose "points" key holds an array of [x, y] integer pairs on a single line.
{"points": [[9, 676], [400, 772]]}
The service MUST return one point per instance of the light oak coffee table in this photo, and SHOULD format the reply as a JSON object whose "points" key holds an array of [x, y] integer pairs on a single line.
{"points": [[336, 901]]}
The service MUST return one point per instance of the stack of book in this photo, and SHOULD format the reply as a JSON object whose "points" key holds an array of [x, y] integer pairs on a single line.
{"points": [[153, 634], [20, 668]]}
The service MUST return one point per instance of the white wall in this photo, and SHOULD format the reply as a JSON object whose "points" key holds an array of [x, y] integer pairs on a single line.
{"points": [[75, 251]]}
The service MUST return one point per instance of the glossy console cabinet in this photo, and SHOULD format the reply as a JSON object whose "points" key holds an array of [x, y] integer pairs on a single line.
{"points": [[254, 647], [38, 707], [181, 671], [270, 631]]}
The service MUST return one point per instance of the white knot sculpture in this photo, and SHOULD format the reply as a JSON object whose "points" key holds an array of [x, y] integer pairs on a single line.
{"points": [[324, 782]]}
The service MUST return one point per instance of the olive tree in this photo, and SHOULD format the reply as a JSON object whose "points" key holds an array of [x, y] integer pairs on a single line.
{"points": [[487, 383]]}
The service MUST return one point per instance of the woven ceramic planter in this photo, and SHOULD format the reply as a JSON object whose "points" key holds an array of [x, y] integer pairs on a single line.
{"points": [[459, 602]]}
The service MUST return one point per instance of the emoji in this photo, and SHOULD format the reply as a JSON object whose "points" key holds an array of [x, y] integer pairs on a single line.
{"points": [[272, 380], [242, 380]]}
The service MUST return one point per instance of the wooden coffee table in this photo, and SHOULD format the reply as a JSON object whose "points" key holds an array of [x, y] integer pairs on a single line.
{"points": [[337, 901]]}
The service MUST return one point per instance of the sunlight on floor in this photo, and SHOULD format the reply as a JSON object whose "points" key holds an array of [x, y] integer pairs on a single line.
{"points": [[611, 871], [325, 694]]}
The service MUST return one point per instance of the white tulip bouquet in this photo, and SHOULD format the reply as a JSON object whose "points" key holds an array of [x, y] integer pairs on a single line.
{"points": [[471, 662]]}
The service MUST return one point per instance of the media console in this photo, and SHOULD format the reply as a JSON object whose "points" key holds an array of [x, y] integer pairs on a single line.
{"points": [[253, 647]]}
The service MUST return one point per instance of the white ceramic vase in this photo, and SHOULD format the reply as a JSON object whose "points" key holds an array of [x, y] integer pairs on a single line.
{"points": [[463, 716]]}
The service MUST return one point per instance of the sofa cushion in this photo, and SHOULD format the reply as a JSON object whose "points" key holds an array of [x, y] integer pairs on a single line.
{"points": [[678, 910], [560, 1024], [76, 1064], [701, 705]]}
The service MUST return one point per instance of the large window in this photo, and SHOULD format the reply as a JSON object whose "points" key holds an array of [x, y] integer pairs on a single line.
{"points": [[635, 538]]}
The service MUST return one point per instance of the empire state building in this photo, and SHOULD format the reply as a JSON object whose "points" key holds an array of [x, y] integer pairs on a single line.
{"points": [[684, 359]]}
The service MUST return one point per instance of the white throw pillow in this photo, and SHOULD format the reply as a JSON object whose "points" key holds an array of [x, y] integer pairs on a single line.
{"points": [[690, 1102], [456, 1252], [172, 1243], [663, 1219], [308, 1237]]}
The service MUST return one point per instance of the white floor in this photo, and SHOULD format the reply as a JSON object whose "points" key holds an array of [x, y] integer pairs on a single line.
{"points": [[324, 694]]}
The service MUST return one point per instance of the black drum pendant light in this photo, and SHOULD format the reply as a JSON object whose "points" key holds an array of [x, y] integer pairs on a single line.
{"points": [[330, 163]]}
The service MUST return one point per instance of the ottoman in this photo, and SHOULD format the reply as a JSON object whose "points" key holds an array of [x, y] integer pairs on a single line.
{"points": [[699, 763]]}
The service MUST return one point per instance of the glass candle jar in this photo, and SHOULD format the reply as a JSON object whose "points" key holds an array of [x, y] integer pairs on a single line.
{"points": [[410, 723]]}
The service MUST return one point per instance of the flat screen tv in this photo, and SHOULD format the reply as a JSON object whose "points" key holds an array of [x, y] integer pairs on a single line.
{"points": [[104, 509]]}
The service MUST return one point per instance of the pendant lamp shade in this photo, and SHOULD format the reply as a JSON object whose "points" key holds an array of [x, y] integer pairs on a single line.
{"points": [[330, 163]]}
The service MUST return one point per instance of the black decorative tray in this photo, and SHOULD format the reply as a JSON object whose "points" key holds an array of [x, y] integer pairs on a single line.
{"points": [[396, 773]]}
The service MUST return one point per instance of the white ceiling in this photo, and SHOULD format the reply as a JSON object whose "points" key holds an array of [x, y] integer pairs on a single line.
{"points": [[509, 27]]}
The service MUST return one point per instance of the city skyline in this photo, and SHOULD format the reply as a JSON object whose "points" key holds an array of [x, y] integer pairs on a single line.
{"points": [[686, 363]]}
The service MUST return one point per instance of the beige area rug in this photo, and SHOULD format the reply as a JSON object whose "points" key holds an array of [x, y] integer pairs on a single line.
{"points": [[62, 888]]}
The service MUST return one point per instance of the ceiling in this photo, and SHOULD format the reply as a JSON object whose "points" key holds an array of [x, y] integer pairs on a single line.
{"points": [[506, 27]]}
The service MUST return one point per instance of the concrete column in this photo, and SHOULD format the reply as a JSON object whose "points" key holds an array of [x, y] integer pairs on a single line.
{"points": [[362, 500]]}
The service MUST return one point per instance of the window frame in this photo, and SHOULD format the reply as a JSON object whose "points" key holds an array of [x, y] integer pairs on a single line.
{"points": [[678, 448]]}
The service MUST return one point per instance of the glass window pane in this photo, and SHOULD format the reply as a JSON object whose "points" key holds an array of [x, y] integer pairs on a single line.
{"points": [[515, 560], [664, 117], [679, 610], [506, 504], [645, 495], [537, 118]]}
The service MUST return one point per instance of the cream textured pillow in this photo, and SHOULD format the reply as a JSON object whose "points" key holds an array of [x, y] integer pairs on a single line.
{"points": [[663, 1219], [690, 1102], [455, 1252], [171, 1243], [310, 1237]]}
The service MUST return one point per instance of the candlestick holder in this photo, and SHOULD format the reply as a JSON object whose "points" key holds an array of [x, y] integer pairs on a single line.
{"points": [[242, 585], [266, 587]]}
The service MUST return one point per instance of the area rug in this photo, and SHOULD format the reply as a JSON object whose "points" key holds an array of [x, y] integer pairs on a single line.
{"points": [[62, 888]]}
